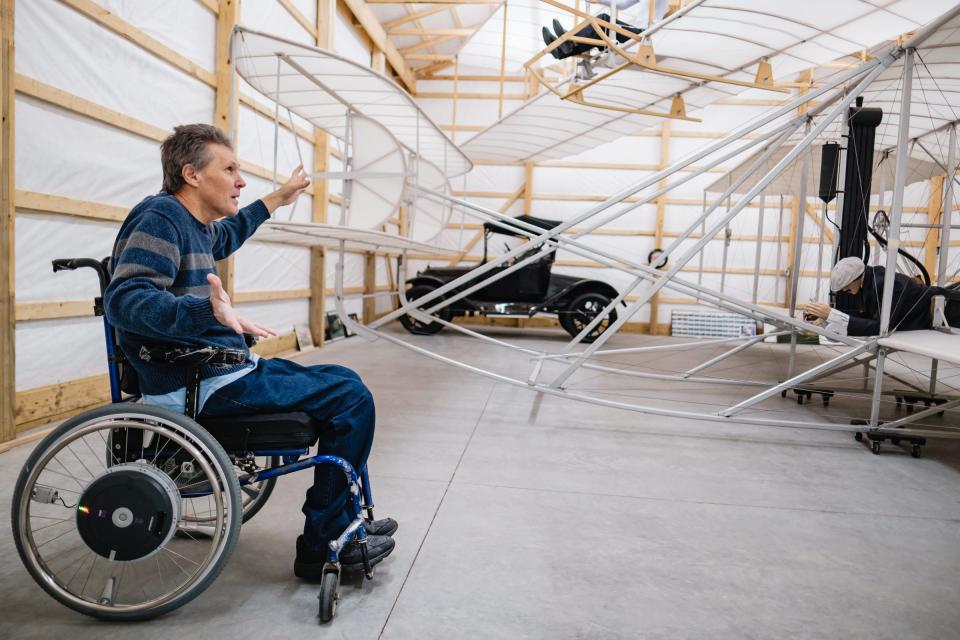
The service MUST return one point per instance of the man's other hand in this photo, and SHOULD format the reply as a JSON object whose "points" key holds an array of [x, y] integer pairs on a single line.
{"points": [[226, 315], [288, 191], [819, 309], [220, 302]]}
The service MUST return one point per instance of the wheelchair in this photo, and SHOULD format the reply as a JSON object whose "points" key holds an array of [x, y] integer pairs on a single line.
{"points": [[127, 511]]}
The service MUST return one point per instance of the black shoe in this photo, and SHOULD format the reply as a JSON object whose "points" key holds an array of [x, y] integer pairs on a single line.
{"points": [[558, 28], [548, 39], [309, 562], [382, 527]]}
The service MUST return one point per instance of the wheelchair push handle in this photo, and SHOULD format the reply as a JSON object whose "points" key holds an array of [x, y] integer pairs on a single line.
{"points": [[71, 264]]}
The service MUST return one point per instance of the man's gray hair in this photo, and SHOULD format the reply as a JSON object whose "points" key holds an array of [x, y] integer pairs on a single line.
{"points": [[187, 145]]}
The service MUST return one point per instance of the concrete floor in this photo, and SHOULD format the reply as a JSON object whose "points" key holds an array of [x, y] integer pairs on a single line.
{"points": [[547, 518]]}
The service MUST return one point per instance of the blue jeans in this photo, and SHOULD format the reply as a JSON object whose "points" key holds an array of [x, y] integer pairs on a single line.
{"points": [[336, 398]]}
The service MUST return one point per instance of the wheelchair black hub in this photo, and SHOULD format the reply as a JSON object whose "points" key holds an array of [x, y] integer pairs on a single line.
{"points": [[129, 511]]}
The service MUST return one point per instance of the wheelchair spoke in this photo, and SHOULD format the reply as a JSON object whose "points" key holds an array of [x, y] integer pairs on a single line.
{"points": [[57, 537], [67, 474], [94, 453], [70, 449]]}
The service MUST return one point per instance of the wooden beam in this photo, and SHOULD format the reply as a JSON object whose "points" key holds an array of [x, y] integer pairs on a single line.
{"points": [[52, 95], [326, 22], [456, 90], [273, 294], [125, 30], [369, 287], [931, 239], [301, 19], [827, 231], [527, 188], [456, 33], [503, 58], [368, 20], [48, 310], [211, 6], [472, 95], [390, 24], [226, 105], [431, 57], [38, 406], [481, 2], [8, 338], [266, 112], [794, 219], [426, 44], [48, 203], [479, 78]]}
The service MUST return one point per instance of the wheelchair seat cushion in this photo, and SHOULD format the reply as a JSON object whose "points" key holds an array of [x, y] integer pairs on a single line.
{"points": [[258, 432]]}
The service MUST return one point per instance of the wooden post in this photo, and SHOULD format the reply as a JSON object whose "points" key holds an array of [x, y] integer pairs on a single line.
{"points": [[456, 92], [326, 17], [503, 58], [932, 237], [7, 217], [528, 188], [378, 61], [226, 103], [794, 220], [658, 229], [369, 287]]}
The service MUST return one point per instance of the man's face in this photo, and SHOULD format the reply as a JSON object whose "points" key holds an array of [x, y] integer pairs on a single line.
{"points": [[219, 182], [854, 287]]}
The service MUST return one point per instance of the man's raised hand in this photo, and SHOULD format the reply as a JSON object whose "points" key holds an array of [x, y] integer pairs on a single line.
{"points": [[288, 191]]}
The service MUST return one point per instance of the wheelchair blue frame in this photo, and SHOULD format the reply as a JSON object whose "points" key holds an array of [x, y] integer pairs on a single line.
{"points": [[361, 498]]}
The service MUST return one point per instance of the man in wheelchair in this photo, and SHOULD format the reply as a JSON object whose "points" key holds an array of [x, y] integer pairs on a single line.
{"points": [[164, 290]]}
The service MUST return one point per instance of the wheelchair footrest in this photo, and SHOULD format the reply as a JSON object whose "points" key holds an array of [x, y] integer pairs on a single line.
{"points": [[294, 430]]}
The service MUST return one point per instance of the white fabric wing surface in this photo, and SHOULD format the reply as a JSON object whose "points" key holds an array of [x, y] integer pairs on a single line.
{"points": [[322, 88], [725, 38]]}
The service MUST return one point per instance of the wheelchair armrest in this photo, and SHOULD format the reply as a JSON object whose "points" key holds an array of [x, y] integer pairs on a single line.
{"points": [[192, 356]]}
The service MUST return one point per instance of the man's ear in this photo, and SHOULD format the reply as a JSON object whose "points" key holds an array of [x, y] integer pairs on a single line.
{"points": [[189, 173]]}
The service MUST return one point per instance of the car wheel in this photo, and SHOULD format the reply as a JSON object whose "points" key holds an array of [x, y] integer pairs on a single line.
{"points": [[417, 327], [581, 312]]}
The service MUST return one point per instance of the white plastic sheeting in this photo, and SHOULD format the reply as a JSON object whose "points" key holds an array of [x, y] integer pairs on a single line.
{"points": [[62, 153], [724, 38], [323, 87]]}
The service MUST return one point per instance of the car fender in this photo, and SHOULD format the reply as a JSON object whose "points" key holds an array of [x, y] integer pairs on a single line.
{"points": [[430, 280], [578, 288]]}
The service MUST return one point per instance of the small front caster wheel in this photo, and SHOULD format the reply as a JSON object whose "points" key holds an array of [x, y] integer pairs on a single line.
{"points": [[916, 451], [783, 394], [858, 436], [329, 594], [875, 447], [799, 398]]}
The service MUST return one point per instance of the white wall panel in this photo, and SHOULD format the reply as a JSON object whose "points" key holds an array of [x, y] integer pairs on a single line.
{"points": [[62, 153], [59, 46]]}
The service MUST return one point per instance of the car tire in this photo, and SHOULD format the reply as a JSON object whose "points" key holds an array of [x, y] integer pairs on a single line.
{"points": [[417, 327], [582, 310]]}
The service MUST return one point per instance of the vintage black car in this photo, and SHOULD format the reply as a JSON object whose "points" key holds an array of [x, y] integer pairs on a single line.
{"points": [[530, 290]]}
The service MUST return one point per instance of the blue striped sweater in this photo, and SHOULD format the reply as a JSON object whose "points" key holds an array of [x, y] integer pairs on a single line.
{"points": [[159, 294]]}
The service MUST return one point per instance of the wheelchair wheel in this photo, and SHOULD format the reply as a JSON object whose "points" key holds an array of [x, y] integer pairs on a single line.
{"points": [[255, 494], [200, 512], [99, 534]]}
